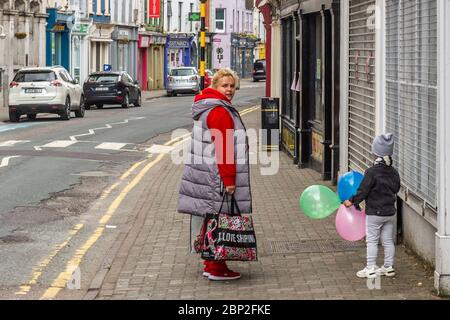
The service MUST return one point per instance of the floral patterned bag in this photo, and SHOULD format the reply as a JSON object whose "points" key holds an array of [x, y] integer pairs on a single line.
{"points": [[228, 236]]}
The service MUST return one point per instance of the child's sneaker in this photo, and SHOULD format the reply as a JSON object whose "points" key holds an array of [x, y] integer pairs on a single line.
{"points": [[367, 272], [386, 271]]}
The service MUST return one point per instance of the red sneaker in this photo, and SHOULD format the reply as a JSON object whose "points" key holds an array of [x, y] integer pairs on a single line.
{"points": [[224, 275], [220, 272], [210, 265], [207, 268]]}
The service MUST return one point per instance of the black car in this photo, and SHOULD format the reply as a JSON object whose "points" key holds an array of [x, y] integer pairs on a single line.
{"points": [[111, 88], [259, 70]]}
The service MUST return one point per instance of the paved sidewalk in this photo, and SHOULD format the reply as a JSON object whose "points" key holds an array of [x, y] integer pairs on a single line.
{"points": [[299, 258], [4, 116], [148, 95]]}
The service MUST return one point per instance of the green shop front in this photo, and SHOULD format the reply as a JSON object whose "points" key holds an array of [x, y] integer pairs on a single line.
{"points": [[310, 85]]}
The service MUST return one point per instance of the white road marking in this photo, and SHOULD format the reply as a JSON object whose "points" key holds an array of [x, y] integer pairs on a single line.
{"points": [[107, 126], [111, 146], [59, 144], [12, 143], [5, 161], [158, 149]]}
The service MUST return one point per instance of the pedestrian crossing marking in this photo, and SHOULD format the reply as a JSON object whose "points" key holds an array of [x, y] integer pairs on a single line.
{"points": [[59, 144], [158, 149], [12, 143], [5, 161], [111, 146]]}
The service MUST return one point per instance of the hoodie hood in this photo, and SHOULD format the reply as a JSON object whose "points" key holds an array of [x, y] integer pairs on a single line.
{"points": [[207, 100]]}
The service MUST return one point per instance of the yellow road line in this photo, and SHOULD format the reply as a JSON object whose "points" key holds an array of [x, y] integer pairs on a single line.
{"points": [[63, 278], [129, 171], [37, 271], [61, 281]]}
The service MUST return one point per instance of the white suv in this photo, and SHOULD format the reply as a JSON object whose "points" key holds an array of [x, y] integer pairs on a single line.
{"points": [[44, 90]]}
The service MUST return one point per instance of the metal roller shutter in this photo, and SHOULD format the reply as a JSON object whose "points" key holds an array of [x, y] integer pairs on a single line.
{"points": [[411, 92], [361, 79]]}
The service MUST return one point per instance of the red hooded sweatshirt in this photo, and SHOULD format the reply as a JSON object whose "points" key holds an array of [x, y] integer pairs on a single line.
{"points": [[220, 119]]}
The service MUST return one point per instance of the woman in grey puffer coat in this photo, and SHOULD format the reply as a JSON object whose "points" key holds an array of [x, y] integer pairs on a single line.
{"points": [[215, 163]]}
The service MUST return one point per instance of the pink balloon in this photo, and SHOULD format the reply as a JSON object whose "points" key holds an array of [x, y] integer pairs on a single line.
{"points": [[351, 223]]}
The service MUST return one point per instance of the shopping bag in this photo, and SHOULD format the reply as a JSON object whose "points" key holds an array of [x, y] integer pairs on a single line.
{"points": [[229, 236]]}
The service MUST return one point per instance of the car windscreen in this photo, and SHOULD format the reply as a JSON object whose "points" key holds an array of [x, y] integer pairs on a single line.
{"points": [[260, 65], [103, 78], [35, 76], [182, 72]]}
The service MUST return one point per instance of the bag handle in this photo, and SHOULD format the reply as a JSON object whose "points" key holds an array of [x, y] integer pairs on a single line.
{"points": [[234, 205], [225, 195]]}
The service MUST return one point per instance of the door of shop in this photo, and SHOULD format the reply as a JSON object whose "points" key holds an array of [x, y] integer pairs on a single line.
{"points": [[317, 92]]}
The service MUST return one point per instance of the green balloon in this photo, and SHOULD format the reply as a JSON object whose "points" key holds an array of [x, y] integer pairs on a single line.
{"points": [[318, 202]]}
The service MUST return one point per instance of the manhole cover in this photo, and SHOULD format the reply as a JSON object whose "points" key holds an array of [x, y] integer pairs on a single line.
{"points": [[14, 239], [312, 246]]}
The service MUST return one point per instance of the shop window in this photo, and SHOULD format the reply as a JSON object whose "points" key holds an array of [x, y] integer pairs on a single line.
{"points": [[288, 72]]}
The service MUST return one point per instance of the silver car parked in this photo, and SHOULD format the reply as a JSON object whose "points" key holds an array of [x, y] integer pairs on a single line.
{"points": [[183, 80]]}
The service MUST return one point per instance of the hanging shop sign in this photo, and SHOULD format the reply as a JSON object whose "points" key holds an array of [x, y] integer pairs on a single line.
{"points": [[154, 9]]}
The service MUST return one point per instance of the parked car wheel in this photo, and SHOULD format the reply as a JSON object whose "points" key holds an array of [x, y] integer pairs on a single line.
{"points": [[126, 101], [138, 102], [80, 112], [31, 116], [87, 106], [99, 105], [14, 117], [66, 113]]}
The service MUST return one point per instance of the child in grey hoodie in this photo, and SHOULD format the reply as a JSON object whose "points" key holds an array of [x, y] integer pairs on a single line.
{"points": [[379, 189]]}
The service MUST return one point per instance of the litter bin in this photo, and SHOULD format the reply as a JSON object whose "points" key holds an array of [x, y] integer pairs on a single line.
{"points": [[270, 122]]}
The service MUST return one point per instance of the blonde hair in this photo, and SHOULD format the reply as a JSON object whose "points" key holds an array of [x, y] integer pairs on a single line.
{"points": [[222, 73]]}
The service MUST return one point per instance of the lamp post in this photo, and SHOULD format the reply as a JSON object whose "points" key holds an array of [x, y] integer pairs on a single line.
{"points": [[202, 42]]}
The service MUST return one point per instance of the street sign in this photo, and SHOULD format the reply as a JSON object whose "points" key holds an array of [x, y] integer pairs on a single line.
{"points": [[219, 50], [107, 67], [194, 16]]}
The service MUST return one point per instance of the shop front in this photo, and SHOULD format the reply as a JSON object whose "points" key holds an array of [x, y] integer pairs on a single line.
{"points": [[124, 50], [80, 51], [58, 38], [100, 51], [310, 89], [178, 52], [242, 55], [151, 58]]}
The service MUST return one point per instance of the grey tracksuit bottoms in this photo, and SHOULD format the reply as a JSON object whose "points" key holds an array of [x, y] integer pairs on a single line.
{"points": [[383, 228]]}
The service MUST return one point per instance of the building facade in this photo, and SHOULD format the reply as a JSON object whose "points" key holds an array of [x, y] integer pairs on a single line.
{"points": [[23, 25], [260, 32], [310, 55], [80, 42], [371, 67], [124, 17], [182, 35], [233, 42], [397, 79], [151, 46], [100, 34]]}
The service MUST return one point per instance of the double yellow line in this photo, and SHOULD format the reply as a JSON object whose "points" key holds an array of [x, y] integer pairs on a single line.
{"points": [[64, 277]]}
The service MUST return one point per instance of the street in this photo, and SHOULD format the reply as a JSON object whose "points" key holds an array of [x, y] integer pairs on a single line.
{"points": [[58, 178], [89, 212]]}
